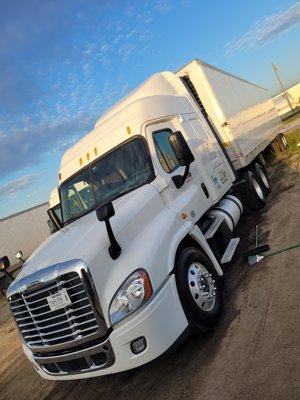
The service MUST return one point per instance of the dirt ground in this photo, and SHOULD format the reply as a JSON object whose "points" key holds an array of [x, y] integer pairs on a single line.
{"points": [[251, 355]]}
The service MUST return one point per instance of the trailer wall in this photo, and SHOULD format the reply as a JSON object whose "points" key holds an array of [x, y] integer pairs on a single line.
{"points": [[23, 231], [243, 113]]}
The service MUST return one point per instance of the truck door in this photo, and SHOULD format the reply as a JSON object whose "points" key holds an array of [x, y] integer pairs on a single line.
{"points": [[203, 186], [218, 173], [191, 200]]}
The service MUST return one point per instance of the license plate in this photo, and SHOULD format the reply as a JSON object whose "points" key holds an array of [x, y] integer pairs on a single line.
{"points": [[59, 300]]}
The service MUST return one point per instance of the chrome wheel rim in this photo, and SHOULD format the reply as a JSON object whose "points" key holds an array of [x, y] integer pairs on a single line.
{"points": [[202, 286], [284, 141], [257, 188], [264, 178]]}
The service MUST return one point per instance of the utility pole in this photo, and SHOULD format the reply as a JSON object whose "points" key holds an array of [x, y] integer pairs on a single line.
{"points": [[275, 68]]}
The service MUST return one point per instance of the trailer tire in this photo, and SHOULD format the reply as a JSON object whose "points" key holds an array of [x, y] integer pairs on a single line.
{"points": [[282, 143], [200, 289], [253, 192], [279, 144], [262, 178]]}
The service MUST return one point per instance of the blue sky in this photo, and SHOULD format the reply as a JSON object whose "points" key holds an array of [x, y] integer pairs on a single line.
{"points": [[62, 63]]}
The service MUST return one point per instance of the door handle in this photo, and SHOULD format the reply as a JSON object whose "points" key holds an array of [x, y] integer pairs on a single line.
{"points": [[204, 188]]}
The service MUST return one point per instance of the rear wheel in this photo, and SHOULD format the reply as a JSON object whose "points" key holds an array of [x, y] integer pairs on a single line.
{"points": [[279, 144], [253, 191], [262, 179], [200, 289]]}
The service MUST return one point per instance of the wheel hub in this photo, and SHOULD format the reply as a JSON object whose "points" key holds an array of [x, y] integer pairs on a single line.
{"points": [[202, 286], [257, 188], [264, 178]]}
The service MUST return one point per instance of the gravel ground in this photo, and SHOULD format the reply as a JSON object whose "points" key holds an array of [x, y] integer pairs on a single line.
{"points": [[251, 355]]}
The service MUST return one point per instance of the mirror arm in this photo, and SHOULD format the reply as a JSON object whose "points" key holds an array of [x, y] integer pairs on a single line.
{"points": [[186, 172], [180, 179], [114, 248], [8, 275]]}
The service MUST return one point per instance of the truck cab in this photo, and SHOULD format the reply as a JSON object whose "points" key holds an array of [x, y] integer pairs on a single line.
{"points": [[148, 210]]}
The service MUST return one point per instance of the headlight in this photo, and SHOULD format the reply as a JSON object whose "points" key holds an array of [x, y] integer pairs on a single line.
{"points": [[134, 292]]}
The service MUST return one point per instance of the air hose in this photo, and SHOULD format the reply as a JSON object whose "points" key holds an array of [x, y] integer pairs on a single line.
{"points": [[272, 253]]}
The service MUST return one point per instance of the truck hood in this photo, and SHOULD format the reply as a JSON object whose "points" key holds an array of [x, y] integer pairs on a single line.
{"points": [[86, 238]]}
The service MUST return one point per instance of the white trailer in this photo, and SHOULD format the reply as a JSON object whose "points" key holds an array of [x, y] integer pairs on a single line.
{"points": [[150, 199], [242, 113]]}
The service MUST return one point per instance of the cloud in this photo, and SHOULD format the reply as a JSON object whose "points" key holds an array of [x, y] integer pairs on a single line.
{"points": [[63, 145], [15, 186], [266, 30], [55, 62], [162, 6], [29, 144], [38, 36]]}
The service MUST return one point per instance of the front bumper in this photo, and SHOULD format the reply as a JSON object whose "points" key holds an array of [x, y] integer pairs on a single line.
{"points": [[161, 322]]}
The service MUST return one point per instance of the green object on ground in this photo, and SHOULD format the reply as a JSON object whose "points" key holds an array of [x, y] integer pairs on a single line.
{"points": [[254, 259], [272, 253]]}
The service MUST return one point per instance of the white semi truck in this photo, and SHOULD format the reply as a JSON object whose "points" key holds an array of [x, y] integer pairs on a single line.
{"points": [[150, 199]]}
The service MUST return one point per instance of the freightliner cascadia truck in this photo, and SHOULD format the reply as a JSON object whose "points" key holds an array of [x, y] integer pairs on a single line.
{"points": [[150, 199]]}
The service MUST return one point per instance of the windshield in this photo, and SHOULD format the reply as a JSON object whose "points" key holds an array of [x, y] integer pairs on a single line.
{"points": [[122, 170]]}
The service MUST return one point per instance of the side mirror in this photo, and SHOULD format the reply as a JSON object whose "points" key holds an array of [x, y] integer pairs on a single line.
{"points": [[181, 149], [104, 213], [19, 256], [51, 226], [183, 154], [4, 263]]}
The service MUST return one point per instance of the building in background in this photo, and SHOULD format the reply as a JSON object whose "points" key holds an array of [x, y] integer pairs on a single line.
{"points": [[24, 231], [281, 103]]}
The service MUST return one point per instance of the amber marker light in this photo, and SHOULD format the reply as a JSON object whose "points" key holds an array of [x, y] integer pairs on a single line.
{"points": [[184, 215]]}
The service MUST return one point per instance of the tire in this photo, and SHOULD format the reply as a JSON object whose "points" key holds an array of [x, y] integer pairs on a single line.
{"points": [[282, 143], [279, 144], [200, 290], [253, 192], [262, 178]]}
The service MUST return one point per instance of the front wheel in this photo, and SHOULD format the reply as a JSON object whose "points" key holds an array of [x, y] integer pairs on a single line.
{"points": [[200, 289]]}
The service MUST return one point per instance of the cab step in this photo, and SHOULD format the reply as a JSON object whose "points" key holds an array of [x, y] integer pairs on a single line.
{"points": [[214, 227], [230, 250]]}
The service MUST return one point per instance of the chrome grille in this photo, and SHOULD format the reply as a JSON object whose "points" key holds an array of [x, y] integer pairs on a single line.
{"points": [[66, 327]]}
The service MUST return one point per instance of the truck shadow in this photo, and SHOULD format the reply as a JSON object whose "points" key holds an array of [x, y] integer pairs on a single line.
{"points": [[183, 372]]}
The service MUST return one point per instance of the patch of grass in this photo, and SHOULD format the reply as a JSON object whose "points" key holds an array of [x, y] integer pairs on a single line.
{"points": [[293, 139], [280, 175], [291, 115]]}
